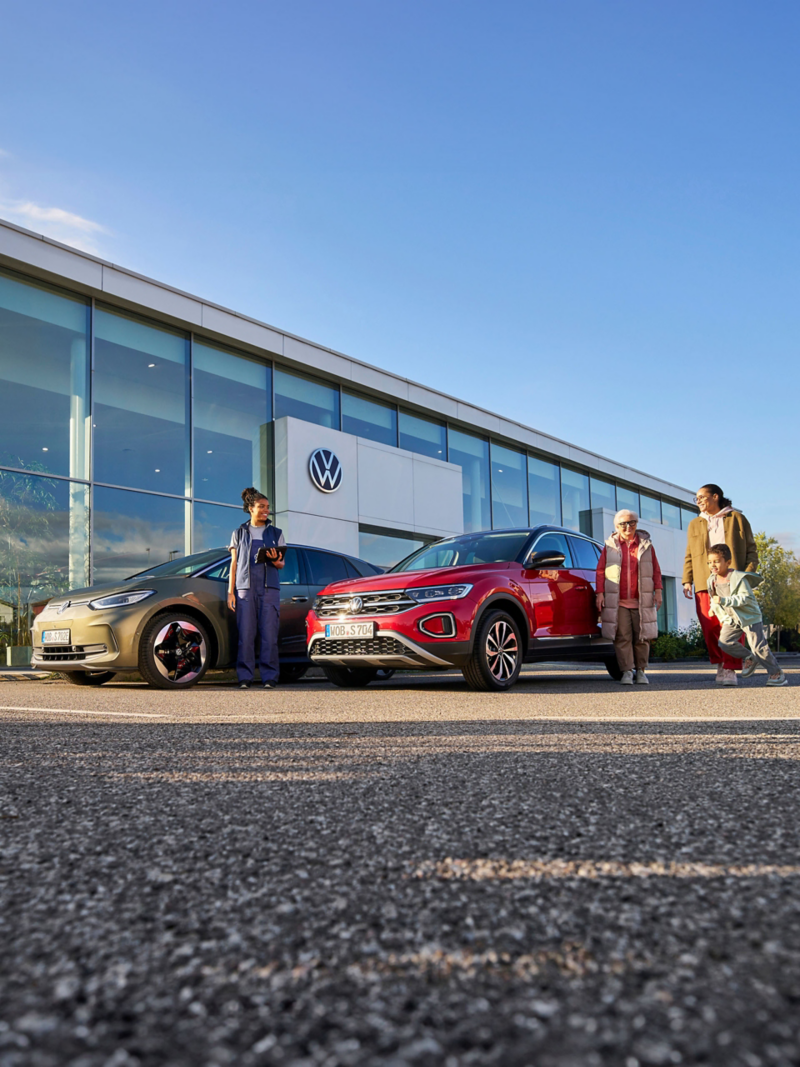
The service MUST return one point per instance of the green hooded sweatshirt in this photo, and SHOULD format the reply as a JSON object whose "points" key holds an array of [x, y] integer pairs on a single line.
{"points": [[742, 602]]}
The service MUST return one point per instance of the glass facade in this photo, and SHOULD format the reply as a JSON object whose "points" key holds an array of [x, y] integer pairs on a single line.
{"points": [[471, 454], [670, 514], [509, 487], [368, 418], [575, 502], [213, 524], [307, 399], [134, 531], [425, 436], [686, 517], [627, 499], [544, 492], [651, 508], [385, 549], [603, 493]]}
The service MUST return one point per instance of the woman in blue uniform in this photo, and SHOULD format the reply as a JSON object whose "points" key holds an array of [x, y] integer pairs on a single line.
{"points": [[254, 591]]}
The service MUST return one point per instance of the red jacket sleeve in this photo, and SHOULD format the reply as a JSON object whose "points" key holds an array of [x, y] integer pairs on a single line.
{"points": [[657, 583], [600, 577]]}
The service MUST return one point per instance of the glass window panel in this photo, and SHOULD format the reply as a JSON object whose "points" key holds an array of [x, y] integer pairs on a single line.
{"points": [[472, 455], [385, 550], [368, 418], [509, 487], [134, 531], [307, 399], [140, 405], [603, 494], [290, 575], [627, 498], [651, 508], [423, 435], [670, 514], [44, 547], [583, 553], [575, 506], [555, 542], [686, 517], [544, 492], [44, 379], [213, 525], [231, 414], [324, 567]]}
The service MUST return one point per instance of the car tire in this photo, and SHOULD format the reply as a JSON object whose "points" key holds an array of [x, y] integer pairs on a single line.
{"points": [[174, 652], [88, 677], [496, 658], [613, 668], [349, 677], [384, 674], [291, 673]]}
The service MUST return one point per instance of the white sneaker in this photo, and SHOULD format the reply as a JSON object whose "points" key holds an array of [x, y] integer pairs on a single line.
{"points": [[749, 666], [720, 679], [729, 678], [627, 678], [641, 678], [779, 679]]}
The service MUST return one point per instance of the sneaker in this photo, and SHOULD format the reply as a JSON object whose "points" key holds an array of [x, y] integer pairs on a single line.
{"points": [[749, 666], [627, 678], [778, 679], [641, 678], [729, 678], [244, 685], [269, 685], [720, 679]]}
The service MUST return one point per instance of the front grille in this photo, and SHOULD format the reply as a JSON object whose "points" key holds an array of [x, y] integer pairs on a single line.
{"points": [[54, 653], [360, 646], [390, 602]]}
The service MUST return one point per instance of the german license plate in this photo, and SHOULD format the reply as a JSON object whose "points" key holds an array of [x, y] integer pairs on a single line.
{"points": [[350, 629], [55, 637]]}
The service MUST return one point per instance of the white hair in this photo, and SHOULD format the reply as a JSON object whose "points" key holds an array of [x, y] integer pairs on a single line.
{"points": [[625, 511]]}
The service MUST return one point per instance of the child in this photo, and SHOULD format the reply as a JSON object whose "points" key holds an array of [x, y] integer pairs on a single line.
{"points": [[733, 603]]}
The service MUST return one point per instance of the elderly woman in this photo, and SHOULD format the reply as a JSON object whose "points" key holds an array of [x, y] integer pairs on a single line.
{"points": [[629, 595]]}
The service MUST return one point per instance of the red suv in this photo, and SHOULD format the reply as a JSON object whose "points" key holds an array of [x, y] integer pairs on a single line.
{"points": [[484, 602]]}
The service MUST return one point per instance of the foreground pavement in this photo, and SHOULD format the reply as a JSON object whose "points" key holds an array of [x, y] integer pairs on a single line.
{"points": [[572, 873]]}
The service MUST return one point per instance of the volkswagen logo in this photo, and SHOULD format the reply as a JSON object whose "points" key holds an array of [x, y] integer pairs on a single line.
{"points": [[355, 605], [325, 470]]}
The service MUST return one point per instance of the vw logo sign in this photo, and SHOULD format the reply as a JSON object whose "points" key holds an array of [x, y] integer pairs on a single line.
{"points": [[325, 470], [355, 605]]}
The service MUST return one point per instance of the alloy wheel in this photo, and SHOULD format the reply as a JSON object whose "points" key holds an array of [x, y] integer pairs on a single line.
{"points": [[179, 651], [502, 650]]}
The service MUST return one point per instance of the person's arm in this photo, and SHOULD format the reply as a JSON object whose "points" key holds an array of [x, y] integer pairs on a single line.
{"points": [[688, 575], [750, 550], [232, 582], [658, 583], [600, 579]]}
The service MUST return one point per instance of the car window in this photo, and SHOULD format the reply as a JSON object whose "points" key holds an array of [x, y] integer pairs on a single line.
{"points": [[220, 572], [583, 553], [555, 542], [502, 547], [290, 575], [324, 567], [352, 571]]}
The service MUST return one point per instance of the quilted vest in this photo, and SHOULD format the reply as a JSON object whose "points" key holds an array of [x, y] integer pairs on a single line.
{"points": [[648, 620]]}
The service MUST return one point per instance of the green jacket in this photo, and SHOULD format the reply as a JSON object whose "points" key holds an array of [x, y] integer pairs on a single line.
{"points": [[742, 601]]}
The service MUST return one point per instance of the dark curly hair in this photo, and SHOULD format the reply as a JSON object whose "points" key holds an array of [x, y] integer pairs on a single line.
{"points": [[721, 550], [250, 496], [715, 490]]}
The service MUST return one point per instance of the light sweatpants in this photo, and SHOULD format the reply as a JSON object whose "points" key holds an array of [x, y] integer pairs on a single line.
{"points": [[730, 643], [628, 644]]}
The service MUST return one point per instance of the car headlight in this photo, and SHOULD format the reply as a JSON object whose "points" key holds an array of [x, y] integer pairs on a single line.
{"points": [[438, 592], [121, 600]]}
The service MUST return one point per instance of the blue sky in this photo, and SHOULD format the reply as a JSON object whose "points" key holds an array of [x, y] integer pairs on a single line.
{"points": [[581, 215]]}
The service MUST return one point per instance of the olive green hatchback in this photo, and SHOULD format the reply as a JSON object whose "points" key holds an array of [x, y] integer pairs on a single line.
{"points": [[171, 623]]}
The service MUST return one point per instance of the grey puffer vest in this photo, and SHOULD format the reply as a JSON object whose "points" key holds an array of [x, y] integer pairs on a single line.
{"points": [[648, 619]]}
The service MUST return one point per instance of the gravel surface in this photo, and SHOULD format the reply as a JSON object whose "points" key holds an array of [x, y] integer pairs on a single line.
{"points": [[568, 874]]}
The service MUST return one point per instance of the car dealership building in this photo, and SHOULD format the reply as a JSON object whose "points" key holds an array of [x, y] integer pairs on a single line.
{"points": [[132, 415]]}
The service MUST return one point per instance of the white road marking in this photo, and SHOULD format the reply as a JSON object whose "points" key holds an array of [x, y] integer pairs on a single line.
{"points": [[79, 711]]}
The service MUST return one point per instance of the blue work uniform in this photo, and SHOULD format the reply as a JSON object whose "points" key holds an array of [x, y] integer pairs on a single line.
{"points": [[258, 602]]}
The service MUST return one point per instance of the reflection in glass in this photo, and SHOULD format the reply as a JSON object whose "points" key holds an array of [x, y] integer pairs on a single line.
{"points": [[667, 614], [140, 405], [472, 455], [670, 514], [231, 416], [627, 498], [307, 399], [575, 504], [368, 418], [544, 492], [44, 542], [651, 508], [213, 525], [133, 531], [509, 487], [44, 379], [686, 517], [385, 550], [603, 495], [424, 436]]}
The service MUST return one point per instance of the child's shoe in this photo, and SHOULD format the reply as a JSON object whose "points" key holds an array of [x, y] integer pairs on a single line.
{"points": [[778, 679], [627, 678], [749, 666], [729, 678], [641, 678]]}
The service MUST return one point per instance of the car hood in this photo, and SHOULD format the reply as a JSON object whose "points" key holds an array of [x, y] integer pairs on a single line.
{"points": [[94, 592], [413, 579]]}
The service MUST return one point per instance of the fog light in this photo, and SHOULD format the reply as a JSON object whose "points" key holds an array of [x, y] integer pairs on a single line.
{"points": [[441, 625]]}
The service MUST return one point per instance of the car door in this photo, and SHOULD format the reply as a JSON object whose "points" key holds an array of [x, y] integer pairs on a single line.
{"points": [[584, 558], [323, 568], [558, 596], [296, 600]]}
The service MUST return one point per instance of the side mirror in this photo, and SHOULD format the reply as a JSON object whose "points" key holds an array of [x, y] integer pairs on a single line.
{"points": [[547, 560]]}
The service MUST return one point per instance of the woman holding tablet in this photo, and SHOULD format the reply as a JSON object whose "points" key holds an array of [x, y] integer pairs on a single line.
{"points": [[254, 590]]}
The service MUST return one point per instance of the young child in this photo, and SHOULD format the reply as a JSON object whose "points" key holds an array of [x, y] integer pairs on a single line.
{"points": [[733, 603]]}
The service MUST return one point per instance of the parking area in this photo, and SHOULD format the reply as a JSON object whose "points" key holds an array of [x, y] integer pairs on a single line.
{"points": [[570, 873]]}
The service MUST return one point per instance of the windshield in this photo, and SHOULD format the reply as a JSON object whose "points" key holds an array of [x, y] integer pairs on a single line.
{"points": [[472, 548], [183, 567]]}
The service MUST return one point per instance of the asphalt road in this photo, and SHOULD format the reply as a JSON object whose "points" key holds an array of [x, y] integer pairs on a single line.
{"points": [[572, 873]]}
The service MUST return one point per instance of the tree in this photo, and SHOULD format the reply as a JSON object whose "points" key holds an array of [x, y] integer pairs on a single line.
{"points": [[779, 593]]}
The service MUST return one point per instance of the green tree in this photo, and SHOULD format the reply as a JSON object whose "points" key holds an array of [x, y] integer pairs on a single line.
{"points": [[779, 593]]}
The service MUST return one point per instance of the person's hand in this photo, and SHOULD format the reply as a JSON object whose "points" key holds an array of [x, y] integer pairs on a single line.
{"points": [[715, 598], [687, 590], [600, 600], [271, 553], [659, 596], [232, 600]]}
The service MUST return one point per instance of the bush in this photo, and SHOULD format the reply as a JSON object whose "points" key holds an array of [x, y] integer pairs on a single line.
{"points": [[679, 644]]}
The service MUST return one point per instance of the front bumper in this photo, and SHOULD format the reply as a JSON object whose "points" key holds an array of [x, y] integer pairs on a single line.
{"points": [[388, 648], [94, 645]]}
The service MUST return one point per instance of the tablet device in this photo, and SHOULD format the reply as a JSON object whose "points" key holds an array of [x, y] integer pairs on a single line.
{"points": [[261, 555]]}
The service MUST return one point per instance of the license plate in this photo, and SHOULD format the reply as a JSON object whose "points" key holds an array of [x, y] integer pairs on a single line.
{"points": [[55, 637], [350, 629]]}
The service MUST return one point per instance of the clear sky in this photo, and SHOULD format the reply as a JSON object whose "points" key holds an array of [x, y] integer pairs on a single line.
{"points": [[581, 215]]}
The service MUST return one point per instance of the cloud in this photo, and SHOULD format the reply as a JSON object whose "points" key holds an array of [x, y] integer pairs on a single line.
{"points": [[55, 222]]}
